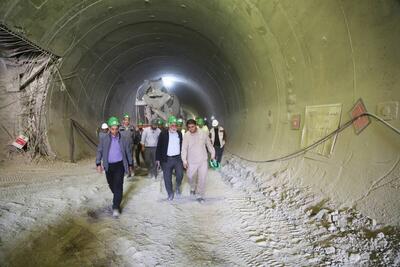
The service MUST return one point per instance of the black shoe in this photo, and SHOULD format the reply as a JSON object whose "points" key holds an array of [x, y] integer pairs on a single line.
{"points": [[171, 197], [200, 200], [192, 192]]}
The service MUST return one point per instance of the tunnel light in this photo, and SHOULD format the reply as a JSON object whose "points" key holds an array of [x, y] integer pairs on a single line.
{"points": [[169, 81]]}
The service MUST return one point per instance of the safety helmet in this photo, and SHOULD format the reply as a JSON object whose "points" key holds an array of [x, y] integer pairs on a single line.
{"points": [[215, 123], [126, 115], [140, 123], [200, 121], [214, 164], [104, 126], [154, 122], [179, 122], [160, 122], [171, 120], [113, 121]]}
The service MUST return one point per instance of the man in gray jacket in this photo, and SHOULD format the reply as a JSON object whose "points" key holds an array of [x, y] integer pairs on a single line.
{"points": [[115, 154]]}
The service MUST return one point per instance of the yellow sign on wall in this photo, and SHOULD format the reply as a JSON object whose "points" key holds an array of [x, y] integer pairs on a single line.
{"points": [[320, 121]]}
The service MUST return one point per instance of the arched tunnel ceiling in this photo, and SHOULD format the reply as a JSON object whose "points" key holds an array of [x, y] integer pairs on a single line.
{"points": [[102, 47], [141, 55], [257, 64]]}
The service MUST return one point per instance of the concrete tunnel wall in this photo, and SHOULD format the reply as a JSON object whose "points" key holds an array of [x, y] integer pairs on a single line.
{"points": [[251, 63]]}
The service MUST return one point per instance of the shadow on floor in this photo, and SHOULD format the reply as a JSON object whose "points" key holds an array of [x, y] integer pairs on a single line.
{"points": [[72, 242]]}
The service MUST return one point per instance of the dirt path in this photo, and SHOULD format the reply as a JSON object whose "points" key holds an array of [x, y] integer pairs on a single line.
{"points": [[60, 215], [64, 218]]}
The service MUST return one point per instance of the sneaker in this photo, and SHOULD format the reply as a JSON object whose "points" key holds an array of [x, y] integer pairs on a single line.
{"points": [[116, 213], [200, 200]]}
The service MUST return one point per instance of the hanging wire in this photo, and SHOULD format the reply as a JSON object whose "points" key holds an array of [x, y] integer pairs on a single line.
{"points": [[14, 45], [322, 140]]}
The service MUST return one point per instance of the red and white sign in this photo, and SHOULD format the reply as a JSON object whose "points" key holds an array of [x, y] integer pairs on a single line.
{"points": [[20, 142], [362, 122]]}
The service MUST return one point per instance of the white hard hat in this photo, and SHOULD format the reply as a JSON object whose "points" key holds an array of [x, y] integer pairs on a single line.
{"points": [[214, 123], [104, 126]]}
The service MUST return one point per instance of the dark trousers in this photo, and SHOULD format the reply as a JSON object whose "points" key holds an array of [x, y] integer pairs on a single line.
{"points": [[218, 153], [138, 152], [115, 179], [172, 163], [150, 157]]}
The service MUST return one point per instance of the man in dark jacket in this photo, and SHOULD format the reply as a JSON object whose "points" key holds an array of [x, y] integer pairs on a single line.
{"points": [[115, 154], [168, 154], [137, 144], [127, 132]]}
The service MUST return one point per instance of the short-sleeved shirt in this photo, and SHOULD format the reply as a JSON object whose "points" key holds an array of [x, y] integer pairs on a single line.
{"points": [[150, 137]]}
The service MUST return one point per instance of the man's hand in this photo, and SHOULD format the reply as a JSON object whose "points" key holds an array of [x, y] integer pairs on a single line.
{"points": [[99, 169], [142, 147], [157, 163], [185, 165]]}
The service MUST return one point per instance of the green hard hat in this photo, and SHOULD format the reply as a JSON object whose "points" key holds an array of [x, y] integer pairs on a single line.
{"points": [[113, 121], [172, 119], [154, 122], [200, 121], [214, 164], [160, 122], [179, 122], [140, 123], [126, 115]]}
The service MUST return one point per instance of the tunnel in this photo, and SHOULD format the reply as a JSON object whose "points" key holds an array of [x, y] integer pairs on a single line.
{"points": [[278, 75]]}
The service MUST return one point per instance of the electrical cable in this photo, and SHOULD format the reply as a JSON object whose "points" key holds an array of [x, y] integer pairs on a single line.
{"points": [[322, 140], [82, 131]]}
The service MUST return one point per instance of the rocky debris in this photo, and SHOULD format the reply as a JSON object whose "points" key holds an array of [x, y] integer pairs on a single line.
{"points": [[301, 228], [330, 250], [262, 220]]}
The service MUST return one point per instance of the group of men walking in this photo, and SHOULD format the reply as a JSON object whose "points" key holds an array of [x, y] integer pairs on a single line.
{"points": [[168, 146]]}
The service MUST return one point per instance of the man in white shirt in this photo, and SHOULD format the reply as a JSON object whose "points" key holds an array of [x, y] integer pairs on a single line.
{"points": [[194, 157], [149, 146]]}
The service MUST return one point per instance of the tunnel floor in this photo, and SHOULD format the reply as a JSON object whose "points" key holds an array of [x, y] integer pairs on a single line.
{"points": [[58, 214]]}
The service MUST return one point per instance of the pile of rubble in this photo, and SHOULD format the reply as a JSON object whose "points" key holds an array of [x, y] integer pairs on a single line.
{"points": [[297, 227]]}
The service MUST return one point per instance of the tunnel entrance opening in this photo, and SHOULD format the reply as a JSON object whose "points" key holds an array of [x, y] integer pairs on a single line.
{"points": [[175, 95]]}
